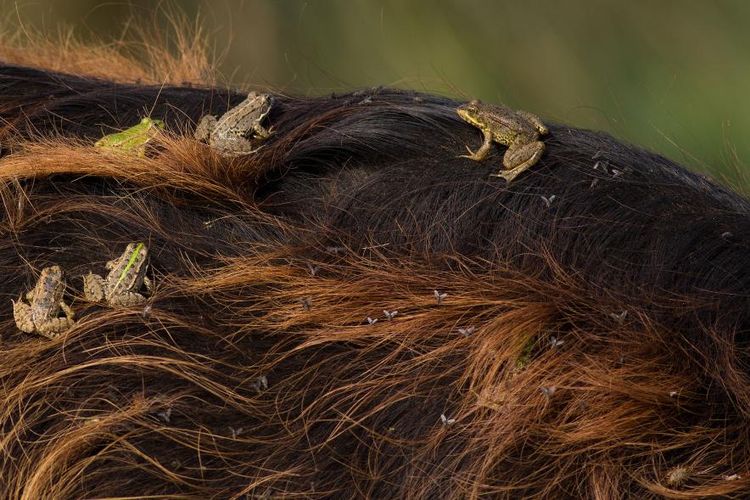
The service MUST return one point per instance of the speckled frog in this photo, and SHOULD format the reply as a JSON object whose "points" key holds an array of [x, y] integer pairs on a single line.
{"points": [[240, 130], [42, 314], [126, 278], [519, 130]]}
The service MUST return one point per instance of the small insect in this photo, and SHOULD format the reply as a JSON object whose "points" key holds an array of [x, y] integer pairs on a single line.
{"points": [[677, 476], [306, 303], [620, 318], [260, 384], [548, 391], [313, 269], [235, 432], [372, 321], [602, 165], [389, 315], [548, 201], [732, 477], [467, 331], [447, 421], [555, 342], [440, 296], [165, 415]]}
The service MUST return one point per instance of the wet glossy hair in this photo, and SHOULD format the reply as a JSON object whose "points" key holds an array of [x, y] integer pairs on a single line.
{"points": [[582, 332]]}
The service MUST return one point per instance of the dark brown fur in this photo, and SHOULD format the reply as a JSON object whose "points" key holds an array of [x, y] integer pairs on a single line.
{"points": [[270, 265]]}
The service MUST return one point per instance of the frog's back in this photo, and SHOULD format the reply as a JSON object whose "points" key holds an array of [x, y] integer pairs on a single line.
{"points": [[501, 120]]}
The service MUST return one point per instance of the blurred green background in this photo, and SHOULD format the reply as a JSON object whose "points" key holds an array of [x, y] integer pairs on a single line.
{"points": [[671, 76]]}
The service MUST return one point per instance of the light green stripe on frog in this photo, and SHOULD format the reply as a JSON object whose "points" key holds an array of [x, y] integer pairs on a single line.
{"points": [[131, 261]]}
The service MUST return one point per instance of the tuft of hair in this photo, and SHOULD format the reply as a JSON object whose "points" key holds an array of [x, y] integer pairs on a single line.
{"points": [[174, 50]]}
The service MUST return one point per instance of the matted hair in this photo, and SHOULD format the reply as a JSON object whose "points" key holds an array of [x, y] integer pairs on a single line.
{"points": [[581, 332]]}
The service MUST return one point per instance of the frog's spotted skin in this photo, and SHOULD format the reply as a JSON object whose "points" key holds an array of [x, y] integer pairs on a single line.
{"points": [[239, 131], [126, 277], [134, 139], [519, 130], [45, 302]]}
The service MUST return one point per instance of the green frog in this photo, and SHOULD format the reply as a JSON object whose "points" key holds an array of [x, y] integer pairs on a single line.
{"points": [[42, 314], [239, 131], [519, 130], [126, 278], [134, 139]]}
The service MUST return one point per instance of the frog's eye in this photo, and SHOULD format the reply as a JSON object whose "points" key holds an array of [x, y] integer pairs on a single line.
{"points": [[474, 103]]}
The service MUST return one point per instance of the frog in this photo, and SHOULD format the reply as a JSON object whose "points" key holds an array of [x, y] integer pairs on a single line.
{"points": [[239, 131], [45, 302], [126, 278], [134, 139], [519, 130]]}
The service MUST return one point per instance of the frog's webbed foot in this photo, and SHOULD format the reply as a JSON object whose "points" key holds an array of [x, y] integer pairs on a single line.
{"points": [[22, 315], [54, 327], [535, 121], [518, 159], [481, 153], [127, 299], [204, 128], [93, 287]]}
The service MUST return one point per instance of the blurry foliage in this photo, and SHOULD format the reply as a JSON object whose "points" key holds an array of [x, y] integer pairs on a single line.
{"points": [[671, 76]]}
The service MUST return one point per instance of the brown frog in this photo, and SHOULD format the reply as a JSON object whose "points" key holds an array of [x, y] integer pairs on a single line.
{"points": [[42, 314], [519, 130], [239, 131]]}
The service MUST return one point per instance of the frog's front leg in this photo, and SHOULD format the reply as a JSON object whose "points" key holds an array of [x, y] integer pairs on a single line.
{"points": [[483, 150], [520, 157], [22, 315], [127, 299], [261, 132], [148, 284], [67, 310], [93, 287]]}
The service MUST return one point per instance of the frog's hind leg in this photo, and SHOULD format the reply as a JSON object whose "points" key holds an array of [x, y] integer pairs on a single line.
{"points": [[519, 158], [23, 317], [204, 128], [127, 299], [54, 327], [535, 120], [93, 287], [481, 153]]}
